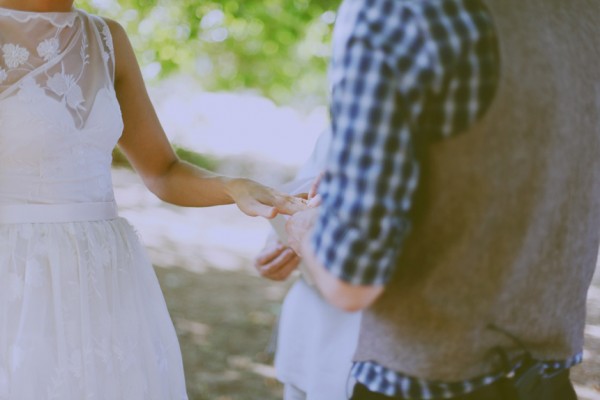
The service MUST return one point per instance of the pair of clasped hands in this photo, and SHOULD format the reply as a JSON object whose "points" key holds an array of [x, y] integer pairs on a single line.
{"points": [[281, 254]]}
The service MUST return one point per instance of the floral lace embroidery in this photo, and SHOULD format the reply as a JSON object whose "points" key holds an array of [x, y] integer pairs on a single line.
{"points": [[108, 42], [108, 38], [19, 67], [48, 49], [65, 86], [14, 55]]}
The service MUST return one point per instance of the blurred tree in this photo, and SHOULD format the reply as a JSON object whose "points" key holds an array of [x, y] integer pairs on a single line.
{"points": [[279, 48]]}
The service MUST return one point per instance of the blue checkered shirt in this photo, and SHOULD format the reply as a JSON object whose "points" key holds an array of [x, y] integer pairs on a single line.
{"points": [[403, 72]]}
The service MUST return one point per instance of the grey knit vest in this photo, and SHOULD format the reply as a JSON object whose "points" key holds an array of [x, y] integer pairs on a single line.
{"points": [[508, 227]]}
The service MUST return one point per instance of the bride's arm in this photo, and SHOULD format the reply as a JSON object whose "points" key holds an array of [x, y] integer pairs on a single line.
{"points": [[147, 148]]}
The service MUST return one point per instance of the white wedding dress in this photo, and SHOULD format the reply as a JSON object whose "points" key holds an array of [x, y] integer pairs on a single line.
{"points": [[82, 316]]}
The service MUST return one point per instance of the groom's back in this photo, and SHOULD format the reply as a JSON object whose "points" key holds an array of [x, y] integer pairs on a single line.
{"points": [[507, 226]]}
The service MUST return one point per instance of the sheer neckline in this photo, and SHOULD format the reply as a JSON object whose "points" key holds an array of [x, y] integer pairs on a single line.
{"points": [[57, 18]]}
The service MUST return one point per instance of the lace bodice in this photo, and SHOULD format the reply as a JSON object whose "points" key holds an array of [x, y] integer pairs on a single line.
{"points": [[59, 116]]}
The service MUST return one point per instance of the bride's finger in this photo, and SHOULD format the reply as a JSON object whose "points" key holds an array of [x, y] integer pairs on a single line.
{"points": [[303, 196], [257, 209], [289, 205]]}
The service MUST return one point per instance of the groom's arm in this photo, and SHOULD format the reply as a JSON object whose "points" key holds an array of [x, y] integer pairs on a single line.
{"points": [[336, 291], [352, 243]]}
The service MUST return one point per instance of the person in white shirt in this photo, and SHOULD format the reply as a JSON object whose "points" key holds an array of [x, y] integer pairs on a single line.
{"points": [[315, 340]]}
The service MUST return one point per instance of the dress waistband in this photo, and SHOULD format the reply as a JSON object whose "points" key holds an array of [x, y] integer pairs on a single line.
{"points": [[57, 213]]}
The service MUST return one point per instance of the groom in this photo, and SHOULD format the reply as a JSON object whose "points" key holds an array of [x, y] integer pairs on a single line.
{"points": [[461, 200]]}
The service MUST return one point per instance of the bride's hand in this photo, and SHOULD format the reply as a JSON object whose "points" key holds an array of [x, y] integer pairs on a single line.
{"points": [[255, 199]]}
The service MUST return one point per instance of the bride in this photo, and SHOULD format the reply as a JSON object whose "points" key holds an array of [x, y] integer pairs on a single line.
{"points": [[81, 312]]}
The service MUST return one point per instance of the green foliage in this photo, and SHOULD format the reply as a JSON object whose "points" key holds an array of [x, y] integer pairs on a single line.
{"points": [[119, 159], [201, 160], [277, 47]]}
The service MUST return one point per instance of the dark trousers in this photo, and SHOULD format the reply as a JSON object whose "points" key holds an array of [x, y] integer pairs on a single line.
{"points": [[558, 387]]}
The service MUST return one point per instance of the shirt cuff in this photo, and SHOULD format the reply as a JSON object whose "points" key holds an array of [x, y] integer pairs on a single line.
{"points": [[355, 255]]}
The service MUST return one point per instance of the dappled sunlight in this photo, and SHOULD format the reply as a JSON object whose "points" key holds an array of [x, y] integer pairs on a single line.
{"points": [[198, 331], [246, 363]]}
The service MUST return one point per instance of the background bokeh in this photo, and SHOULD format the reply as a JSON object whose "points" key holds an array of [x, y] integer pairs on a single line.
{"points": [[274, 47], [240, 88]]}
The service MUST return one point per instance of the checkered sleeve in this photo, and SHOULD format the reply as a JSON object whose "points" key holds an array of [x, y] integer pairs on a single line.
{"points": [[384, 75]]}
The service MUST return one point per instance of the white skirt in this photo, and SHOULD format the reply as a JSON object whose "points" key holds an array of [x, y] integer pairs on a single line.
{"points": [[82, 316]]}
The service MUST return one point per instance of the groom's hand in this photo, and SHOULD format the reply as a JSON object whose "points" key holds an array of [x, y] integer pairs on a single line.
{"points": [[299, 227], [276, 261]]}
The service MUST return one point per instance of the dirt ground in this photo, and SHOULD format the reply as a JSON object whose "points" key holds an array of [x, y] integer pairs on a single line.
{"points": [[224, 320]]}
